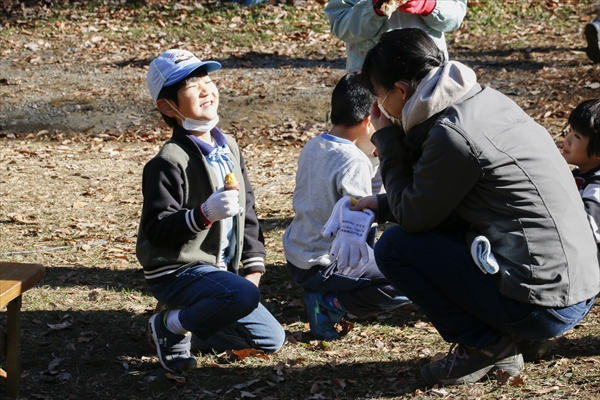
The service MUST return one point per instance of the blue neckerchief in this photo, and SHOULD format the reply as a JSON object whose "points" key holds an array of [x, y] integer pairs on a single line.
{"points": [[216, 155]]}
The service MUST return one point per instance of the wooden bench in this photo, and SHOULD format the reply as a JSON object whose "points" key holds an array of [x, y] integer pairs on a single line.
{"points": [[15, 279]]}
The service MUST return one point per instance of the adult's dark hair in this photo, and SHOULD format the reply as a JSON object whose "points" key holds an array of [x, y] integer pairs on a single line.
{"points": [[585, 119], [402, 54], [170, 92], [350, 102]]}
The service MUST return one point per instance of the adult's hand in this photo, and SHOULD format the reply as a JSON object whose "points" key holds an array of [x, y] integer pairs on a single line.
{"points": [[369, 202], [378, 120]]}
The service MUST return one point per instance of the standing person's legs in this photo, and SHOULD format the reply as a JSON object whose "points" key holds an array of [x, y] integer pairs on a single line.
{"points": [[592, 36], [258, 330]]}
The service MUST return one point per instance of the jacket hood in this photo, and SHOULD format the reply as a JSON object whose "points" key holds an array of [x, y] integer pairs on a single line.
{"points": [[441, 88]]}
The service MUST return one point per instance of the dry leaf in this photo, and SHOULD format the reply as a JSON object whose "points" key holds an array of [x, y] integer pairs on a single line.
{"points": [[62, 325], [339, 382], [245, 384], [23, 219], [548, 390], [176, 378], [315, 388]]}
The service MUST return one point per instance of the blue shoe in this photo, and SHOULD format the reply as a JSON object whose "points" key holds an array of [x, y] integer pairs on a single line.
{"points": [[322, 318], [174, 351], [592, 35]]}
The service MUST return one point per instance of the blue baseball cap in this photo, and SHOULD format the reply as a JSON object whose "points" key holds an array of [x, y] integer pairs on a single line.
{"points": [[173, 66]]}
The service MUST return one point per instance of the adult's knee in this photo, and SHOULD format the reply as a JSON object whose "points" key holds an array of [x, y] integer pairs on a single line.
{"points": [[386, 248]]}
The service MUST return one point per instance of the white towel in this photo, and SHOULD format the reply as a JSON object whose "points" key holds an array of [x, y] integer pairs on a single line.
{"points": [[481, 251]]}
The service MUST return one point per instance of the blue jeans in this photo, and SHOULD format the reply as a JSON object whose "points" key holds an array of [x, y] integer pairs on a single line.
{"points": [[221, 309], [436, 271], [361, 291]]}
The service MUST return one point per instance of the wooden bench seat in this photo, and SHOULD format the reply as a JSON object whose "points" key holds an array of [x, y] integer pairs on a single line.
{"points": [[15, 279]]}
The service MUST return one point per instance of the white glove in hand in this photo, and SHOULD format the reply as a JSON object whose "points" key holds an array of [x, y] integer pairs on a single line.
{"points": [[351, 229], [333, 223], [221, 204]]}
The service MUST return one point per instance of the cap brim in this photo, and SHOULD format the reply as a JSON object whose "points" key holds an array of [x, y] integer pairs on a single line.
{"points": [[209, 66]]}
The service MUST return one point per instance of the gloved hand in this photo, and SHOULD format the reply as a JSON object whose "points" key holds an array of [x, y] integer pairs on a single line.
{"points": [[220, 205], [420, 7], [351, 229]]}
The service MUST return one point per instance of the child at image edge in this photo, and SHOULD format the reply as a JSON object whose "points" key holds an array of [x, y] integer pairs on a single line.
{"points": [[581, 148], [331, 166], [193, 234]]}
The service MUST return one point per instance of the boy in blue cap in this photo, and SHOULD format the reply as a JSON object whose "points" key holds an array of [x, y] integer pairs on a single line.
{"points": [[194, 233]]}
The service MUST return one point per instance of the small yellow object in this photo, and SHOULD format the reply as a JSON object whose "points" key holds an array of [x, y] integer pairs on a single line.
{"points": [[230, 181], [353, 200]]}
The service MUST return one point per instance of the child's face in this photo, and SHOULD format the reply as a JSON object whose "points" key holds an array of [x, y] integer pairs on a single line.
{"points": [[575, 151], [199, 99]]}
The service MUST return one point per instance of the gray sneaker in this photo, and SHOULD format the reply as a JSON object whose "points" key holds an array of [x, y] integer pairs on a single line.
{"points": [[469, 365], [174, 351]]}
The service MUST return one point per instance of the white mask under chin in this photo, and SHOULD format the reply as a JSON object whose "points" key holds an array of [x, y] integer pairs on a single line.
{"points": [[191, 124]]}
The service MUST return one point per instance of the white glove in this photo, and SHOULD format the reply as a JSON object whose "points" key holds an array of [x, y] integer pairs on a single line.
{"points": [[333, 223], [221, 204], [351, 229]]}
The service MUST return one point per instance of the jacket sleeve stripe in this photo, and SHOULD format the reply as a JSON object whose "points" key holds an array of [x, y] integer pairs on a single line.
{"points": [[191, 222]]}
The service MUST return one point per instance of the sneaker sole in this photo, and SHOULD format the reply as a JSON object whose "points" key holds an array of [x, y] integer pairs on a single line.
{"points": [[593, 49]]}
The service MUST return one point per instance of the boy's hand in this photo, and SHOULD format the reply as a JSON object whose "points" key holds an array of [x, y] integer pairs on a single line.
{"points": [[254, 277], [220, 205]]}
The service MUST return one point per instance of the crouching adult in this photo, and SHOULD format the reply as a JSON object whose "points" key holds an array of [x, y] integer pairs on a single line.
{"points": [[492, 241]]}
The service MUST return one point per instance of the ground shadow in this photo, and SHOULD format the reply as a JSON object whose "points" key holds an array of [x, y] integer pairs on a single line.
{"points": [[62, 363]]}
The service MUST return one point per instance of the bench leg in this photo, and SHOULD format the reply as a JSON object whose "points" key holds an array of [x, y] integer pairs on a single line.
{"points": [[13, 348]]}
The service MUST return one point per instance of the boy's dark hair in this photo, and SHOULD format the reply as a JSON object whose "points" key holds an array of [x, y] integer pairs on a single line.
{"points": [[407, 54], [585, 119], [350, 102], [170, 93]]}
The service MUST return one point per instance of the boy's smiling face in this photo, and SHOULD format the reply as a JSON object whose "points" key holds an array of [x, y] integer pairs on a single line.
{"points": [[199, 98]]}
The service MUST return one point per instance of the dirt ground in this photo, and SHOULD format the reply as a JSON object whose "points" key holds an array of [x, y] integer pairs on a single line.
{"points": [[89, 98], [75, 132]]}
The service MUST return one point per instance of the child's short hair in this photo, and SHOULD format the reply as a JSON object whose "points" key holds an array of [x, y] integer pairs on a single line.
{"points": [[350, 102], [585, 119]]}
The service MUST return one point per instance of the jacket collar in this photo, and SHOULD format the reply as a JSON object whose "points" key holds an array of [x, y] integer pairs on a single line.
{"points": [[438, 90], [190, 142]]}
